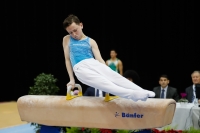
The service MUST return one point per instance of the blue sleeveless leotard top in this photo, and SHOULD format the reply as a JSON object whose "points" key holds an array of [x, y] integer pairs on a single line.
{"points": [[79, 50]]}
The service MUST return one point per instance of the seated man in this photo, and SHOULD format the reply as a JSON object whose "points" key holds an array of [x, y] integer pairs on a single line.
{"points": [[165, 91], [191, 91]]}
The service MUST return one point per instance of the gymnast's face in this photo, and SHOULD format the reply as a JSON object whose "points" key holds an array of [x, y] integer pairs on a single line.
{"points": [[113, 54], [75, 30], [163, 82]]}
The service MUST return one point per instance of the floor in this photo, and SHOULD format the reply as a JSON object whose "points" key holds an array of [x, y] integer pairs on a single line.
{"points": [[9, 114], [10, 121]]}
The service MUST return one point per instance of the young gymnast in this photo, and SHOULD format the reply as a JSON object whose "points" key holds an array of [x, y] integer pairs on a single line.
{"points": [[82, 56]]}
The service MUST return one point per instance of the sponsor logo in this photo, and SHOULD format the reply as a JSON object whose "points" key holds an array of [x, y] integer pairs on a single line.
{"points": [[116, 114], [129, 115]]}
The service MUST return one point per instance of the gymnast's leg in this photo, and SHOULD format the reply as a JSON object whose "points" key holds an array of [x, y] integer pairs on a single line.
{"points": [[97, 81], [111, 75], [116, 78], [93, 77]]}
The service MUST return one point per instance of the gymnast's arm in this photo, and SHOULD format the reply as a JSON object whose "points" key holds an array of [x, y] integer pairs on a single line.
{"points": [[96, 51], [67, 61]]}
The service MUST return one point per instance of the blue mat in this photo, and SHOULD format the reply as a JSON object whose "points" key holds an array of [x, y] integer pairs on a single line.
{"points": [[25, 128]]}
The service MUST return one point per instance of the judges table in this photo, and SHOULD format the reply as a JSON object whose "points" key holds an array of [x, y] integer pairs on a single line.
{"points": [[186, 116]]}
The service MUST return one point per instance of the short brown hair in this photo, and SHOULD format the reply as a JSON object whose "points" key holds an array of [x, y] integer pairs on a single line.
{"points": [[164, 76], [69, 20]]}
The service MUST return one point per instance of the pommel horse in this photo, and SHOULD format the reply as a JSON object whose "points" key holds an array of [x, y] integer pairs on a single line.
{"points": [[109, 112]]}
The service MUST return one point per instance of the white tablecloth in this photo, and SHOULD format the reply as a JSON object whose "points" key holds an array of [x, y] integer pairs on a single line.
{"points": [[186, 116], [196, 117]]}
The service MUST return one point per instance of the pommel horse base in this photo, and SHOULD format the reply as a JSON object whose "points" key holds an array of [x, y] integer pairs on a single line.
{"points": [[96, 112]]}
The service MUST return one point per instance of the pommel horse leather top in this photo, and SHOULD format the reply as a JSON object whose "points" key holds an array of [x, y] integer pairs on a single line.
{"points": [[96, 112]]}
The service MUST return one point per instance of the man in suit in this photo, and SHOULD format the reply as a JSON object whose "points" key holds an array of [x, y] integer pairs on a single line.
{"points": [[191, 90], [165, 91]]}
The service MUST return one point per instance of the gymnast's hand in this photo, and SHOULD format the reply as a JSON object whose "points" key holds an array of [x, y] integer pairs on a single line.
{"points": [[72, 84]]}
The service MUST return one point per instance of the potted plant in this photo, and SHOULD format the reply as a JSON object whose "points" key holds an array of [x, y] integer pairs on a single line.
{"points": [[44, 84]]}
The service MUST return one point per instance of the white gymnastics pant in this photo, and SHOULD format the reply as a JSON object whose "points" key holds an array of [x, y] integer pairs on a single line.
{"points": [[98, 75]]}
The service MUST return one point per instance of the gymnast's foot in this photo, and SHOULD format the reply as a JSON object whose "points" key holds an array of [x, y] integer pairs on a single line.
{"points": [[139, 95], [151, 93]]}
